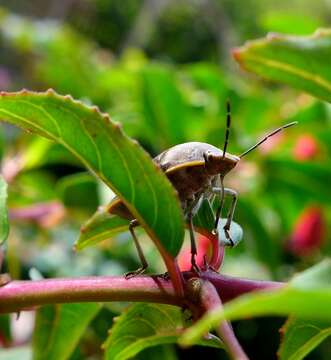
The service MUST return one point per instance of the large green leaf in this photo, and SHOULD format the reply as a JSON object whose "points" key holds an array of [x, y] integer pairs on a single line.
{"points": [[102, 146], [101, 226], [4, 225], [299, 298], [58, 329], [146, 325], [300, 61], [300, 337]]}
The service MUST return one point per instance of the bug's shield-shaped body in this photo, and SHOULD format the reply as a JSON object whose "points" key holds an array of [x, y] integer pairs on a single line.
{"points": [[193, 168]]}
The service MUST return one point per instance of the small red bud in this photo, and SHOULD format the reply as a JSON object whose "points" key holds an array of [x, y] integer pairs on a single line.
{"points": [[308, 233], [203, 248], [306, 148]]}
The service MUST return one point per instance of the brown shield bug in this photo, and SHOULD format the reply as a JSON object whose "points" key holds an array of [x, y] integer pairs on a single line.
{"points": [[196, 170]]}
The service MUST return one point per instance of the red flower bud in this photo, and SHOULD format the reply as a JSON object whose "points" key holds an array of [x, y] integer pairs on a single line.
{"points": [[306, 148], [203, 248], [308, 232]]}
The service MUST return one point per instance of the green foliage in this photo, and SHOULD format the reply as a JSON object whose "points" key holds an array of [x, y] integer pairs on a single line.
{"points": [[53, 325], [101, 226], [301, 337], [302, 62], [161, 103], [299, 297], [71, 188], [146, 325], [124, 166]]}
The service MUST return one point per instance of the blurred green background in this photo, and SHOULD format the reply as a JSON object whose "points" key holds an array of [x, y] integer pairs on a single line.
{"points": [[163, 68]]}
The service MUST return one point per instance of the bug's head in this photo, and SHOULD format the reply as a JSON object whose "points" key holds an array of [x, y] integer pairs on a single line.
{"points": [[217, 163]]}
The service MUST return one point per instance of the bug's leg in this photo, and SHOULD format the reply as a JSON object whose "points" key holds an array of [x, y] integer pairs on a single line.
{"points": [[192, 208], [222, 192], [194, 266], [227, 225], [141, 255]]}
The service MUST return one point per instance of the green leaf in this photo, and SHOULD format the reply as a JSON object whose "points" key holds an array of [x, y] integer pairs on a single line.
{"points": [[299, 61], [146, 325], [300, 337], [4, 225], [59, 328], [101, 226], [101, 146], [161, 352], [79, 191], [204, 218], [299, 298]]}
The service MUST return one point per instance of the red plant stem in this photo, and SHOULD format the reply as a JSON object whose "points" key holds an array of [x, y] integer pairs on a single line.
{"points": [[209, 301], [230, 287], [20, 295]]}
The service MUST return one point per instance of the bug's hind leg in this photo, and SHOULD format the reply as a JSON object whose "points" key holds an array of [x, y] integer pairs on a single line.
{"points": [[144, 265], [192, 208]]}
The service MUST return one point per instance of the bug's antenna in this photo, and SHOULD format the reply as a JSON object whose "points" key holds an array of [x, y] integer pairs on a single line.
{"points": [[267, 137], [228, 123]]}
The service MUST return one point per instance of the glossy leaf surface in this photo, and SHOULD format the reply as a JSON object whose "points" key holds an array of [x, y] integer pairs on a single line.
{"points": [[300, 61], [102, 147], [146, 325]]}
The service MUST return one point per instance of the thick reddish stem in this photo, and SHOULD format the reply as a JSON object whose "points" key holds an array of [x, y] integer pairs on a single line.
{"points": [[209, 300], [230, 287], [19, 295]]}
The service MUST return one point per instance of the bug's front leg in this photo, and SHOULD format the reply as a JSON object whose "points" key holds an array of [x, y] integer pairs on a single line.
{"points": [[229, 192], [134, 223]]}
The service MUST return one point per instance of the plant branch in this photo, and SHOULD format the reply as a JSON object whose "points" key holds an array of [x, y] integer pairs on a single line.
{"points": [[20, 295], [209, 300]]}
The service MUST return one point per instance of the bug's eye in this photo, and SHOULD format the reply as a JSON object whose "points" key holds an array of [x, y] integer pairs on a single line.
{"points": [[208, 156]]}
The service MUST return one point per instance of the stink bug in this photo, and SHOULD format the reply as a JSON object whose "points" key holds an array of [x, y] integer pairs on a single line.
{"points": [[196, 170]]}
